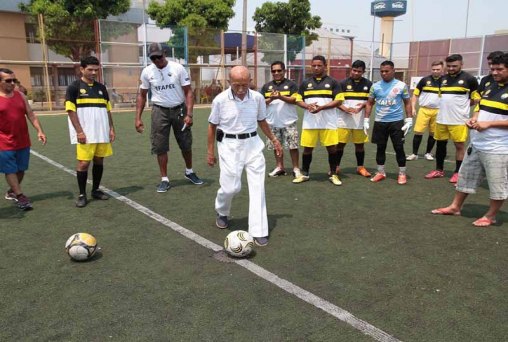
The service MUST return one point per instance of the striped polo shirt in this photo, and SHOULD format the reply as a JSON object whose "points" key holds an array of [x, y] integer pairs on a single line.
{"points": [[279, 113], [91, 104], [427, 91], [456, 92], [493, 107], [353, 93], [321, 91]]}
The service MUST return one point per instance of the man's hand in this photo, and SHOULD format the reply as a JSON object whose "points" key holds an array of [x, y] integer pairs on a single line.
{"points": [[42, 137], [275, 94], [366, 126], [187, 120], [139, 126], [481, 125], [312, 107], [277, 147], [211, 160], [408, 123], [112, 134]]}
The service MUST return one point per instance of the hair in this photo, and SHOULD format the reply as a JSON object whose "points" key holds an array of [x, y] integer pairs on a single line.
{"points": [[437, 63], [501, 59], [278, 63], [319, 58], [387, 62], [6, 71], [359, 64], [90, 60], [454, 58], [494, 54]]}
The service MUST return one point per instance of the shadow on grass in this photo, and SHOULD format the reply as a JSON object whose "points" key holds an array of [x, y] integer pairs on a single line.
{"points": [[128, 190], [478, 210], [14, 212]]}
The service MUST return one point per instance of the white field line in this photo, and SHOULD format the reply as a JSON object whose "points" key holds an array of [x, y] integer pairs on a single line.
{"points": [[337, 312]]}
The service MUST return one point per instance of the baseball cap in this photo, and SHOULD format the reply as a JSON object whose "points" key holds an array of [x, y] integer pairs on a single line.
{"points": [[155, 49]]}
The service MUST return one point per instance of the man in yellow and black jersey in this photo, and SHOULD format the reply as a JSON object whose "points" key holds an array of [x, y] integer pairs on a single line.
{"points": [[487, 80], [487, 155], [90, 127], [318, 95], [458, 92], [427, 93], [280, 97], [354, 93]]}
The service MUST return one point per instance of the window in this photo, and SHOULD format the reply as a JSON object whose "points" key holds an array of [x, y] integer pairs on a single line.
{"points": [[66, 76], [31, 33], [36, 77]]}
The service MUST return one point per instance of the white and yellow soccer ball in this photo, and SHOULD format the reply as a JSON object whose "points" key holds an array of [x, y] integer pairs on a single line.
{"points": [[81, 246], [239, 243]]}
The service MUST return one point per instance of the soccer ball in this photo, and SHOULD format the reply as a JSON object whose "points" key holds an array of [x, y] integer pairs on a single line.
{"points": [[239, 243], [81, 246]]}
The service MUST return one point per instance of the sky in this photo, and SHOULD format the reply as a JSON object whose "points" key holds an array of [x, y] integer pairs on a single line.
{"points": [[424, 20]]}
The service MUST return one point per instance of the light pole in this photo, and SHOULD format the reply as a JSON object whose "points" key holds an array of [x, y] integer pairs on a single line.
{"points": [[467, 18], [372, 45], [244, 34]]}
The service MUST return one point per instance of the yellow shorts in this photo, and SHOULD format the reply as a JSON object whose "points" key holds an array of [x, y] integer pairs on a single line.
{"points": [[356, 136], [457, 133], [86, 152], [327, 137], [426, 118]]}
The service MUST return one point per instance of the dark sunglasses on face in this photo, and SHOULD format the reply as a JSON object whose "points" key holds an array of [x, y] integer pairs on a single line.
{"points": [[154, 58], [276, 71], [11, 80]]}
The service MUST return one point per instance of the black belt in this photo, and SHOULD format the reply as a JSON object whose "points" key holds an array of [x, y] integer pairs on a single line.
{"points": [[241, 136], [170, 108]]}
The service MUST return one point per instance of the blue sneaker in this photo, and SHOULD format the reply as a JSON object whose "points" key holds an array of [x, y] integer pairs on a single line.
{"points": [[163, 186], [194, 178]]}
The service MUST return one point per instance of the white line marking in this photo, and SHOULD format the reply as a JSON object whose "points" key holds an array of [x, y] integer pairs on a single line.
{"points": [[332, 309]]}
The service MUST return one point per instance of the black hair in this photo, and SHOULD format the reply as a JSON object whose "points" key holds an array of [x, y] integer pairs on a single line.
{"points": [[494, 54], [90, 60], [387, 62], [278, 63], [319, 58], [359, 64], [453, 58], [6, 71], [501, 59]]}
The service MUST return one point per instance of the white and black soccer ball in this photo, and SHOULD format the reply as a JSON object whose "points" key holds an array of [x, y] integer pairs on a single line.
{"points": [[239, 243], [81, 246]]}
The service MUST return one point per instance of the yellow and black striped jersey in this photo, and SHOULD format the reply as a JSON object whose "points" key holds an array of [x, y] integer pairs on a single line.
{"points": [[279, 113], [352, 94], [427, 91], [455, 93], [91, 104]]}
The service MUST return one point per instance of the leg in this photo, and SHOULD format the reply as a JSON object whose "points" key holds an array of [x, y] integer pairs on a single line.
{"points": [[440, 154], [332, 158], [459, 154], [255, 169], [455, 207], [97, 171], [340, 152], [187, 157], [306, 159], [162, 160], [430, 143], [294, 158], [231, 167], [13, 182], [417, 140]]}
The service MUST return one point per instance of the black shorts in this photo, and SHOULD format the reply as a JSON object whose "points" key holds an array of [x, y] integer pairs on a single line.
{"points": [[383, 130], [162, 121]]}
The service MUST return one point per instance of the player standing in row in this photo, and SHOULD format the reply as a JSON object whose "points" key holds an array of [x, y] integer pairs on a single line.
{"points": [[487, 80], [458, 92], [487, 155], [318, 95], [15, 138], [90, 127], [354, 93], [173, 103], [427, 93], [392, 99], [236, 114], [280, 97]]}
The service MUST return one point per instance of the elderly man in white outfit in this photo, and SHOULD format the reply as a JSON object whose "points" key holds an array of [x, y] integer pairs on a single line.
{"points": [[236, 114]]}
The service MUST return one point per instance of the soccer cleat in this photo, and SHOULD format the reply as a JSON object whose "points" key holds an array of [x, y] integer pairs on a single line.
{"points": [[302, 178], [11, 196], [163, 186], [82, 201], [261, 241], [402, 179], [277, 172], [362, 171], [454, 178], [99, 195], [429, 156], [378, 177], [221, 222], [412, 157], [335, 180], [193, 178], [434, 174], [23, 202]]}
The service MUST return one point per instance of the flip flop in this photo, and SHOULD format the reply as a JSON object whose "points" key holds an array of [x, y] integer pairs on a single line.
{"points": [[445, 211], [484, 222]]}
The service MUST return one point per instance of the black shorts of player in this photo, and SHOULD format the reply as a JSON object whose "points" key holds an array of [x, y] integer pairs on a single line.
{"points": [[162, 121], [383, 130]]}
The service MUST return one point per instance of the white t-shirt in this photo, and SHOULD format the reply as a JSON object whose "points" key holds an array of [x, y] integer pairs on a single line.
{"points": [[166, 83], [236, 116]]}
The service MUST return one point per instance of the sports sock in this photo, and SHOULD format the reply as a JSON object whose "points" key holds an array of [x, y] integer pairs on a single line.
{"points": [[97, 171], [417, 140], [430, 143], [458, 163], [440, 154], [164, 179], [339, 155], [332, 161], [82, 177], [402, 170], [188, 171], [381, 169], [360, 158], [306, 160]]}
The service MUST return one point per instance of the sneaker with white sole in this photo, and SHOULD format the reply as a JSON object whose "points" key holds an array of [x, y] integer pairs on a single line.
{"points": [[429, 156], [221, 222], [11, 196], [412, 157], [302, 178], [163, 186], [194, 178], [277, 172], [378, 177], [335, 180], [23, 202], [261, 241]]}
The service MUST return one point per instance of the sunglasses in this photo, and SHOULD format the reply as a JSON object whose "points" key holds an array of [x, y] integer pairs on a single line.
{"points": [[11, 80], [277, 71], [154, 58]]}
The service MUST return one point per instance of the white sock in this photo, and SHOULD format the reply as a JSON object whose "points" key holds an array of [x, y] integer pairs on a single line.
{"points": [[402, 170], [381, 169], [188, 171], [165, 179]]}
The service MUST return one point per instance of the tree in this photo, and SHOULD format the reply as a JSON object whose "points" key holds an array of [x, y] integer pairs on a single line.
{"points": [[199, 16], [292, 18], [69, 24]]}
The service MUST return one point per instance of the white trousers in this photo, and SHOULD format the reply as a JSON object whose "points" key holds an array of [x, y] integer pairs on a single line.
{"points": [[235, 155]]}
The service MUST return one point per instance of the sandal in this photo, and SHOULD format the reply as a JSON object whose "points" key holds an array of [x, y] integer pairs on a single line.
{"points": [[484, 222], [445, 211]]}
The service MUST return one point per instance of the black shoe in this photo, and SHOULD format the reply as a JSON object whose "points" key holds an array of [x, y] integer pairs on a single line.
{"points": [[99, 195], [81, 202], [194, 178]]}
